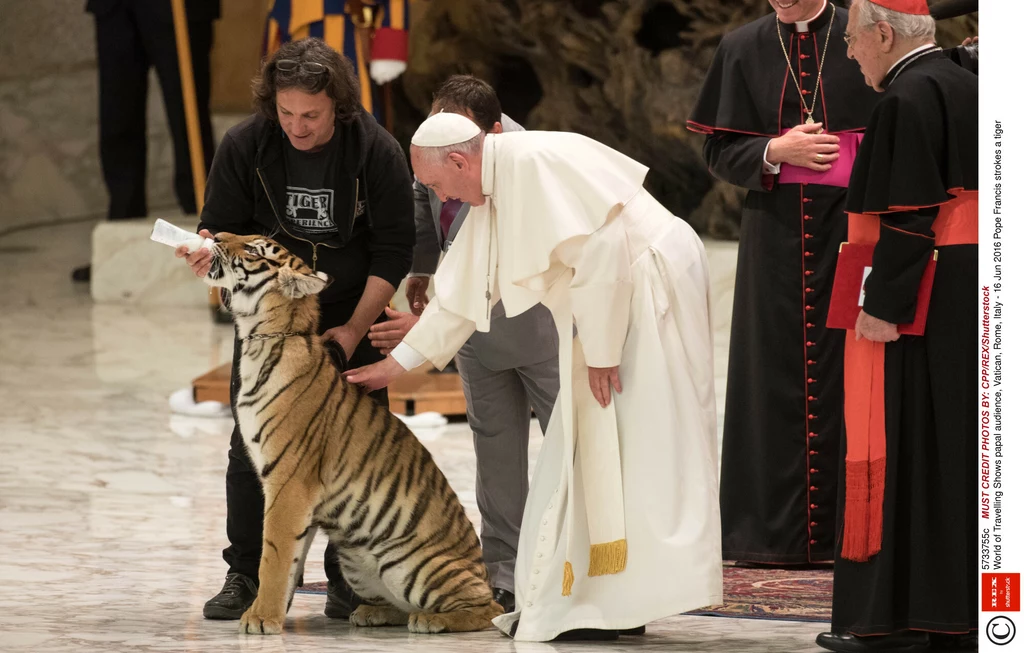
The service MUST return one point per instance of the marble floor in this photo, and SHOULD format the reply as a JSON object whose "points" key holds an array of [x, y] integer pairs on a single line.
{"points": [[112, 509]]}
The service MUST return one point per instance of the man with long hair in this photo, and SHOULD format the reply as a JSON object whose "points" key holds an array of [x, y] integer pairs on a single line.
{"points": [[314, 170]]}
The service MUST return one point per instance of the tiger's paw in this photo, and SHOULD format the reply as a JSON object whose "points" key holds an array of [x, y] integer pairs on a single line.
{"points": [[378, 615], [427, 624], [460, 621], [260, 622]]}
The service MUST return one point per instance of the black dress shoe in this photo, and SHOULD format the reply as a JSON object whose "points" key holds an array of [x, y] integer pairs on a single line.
{"points": [[82, 274], [634, 632], [234, 599], [902, 642], [506, 599], [588, 635], [341, 600]]}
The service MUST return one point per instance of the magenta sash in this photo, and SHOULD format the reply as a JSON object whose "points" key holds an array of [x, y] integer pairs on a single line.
{"points": [[838, 175]]}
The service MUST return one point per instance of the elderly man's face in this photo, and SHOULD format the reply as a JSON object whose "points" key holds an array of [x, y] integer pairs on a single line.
{"points": [[455, 178], [791, 11], [867, 45], [307, 119]]}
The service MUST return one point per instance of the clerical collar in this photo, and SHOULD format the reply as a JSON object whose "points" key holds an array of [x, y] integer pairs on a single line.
{"points": [[819, 20], [487, 166], [907, 60]]}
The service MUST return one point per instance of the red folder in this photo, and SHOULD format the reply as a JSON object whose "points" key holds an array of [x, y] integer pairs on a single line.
{"points": [[848, 289]]}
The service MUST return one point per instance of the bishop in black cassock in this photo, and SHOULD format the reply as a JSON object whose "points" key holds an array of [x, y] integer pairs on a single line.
{"points": [[783, 410], [906, 573]]}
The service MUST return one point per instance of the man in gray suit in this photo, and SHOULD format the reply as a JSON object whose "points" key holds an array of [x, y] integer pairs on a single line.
{"points": [[504, 372]]}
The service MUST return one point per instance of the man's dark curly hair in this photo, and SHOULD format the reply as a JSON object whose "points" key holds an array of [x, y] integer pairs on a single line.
{"points": [[338, 78]]}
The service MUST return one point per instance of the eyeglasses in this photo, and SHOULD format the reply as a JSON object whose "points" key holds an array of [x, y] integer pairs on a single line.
{"points": [[850, 38], [291, 65]]}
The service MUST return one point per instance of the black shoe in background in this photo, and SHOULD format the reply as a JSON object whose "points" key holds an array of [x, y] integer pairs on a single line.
{"points": [[341, 600], [900, 642], [234, 599], [82, 274], [506, 599], [588, 635]]}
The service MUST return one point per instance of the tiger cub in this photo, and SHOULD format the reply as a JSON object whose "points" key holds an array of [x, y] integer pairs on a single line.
{"points": [[331, 458]]}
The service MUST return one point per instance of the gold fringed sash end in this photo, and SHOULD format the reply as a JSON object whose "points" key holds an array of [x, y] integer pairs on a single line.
{"points": [[567, 579], [607, 558]]}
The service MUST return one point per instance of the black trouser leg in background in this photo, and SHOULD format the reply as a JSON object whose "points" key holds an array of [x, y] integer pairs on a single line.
{"points": [[123, 86], [162, 50]]}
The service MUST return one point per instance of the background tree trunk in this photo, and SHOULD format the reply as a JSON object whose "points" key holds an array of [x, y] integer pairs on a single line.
{"points": [[625, 72]]}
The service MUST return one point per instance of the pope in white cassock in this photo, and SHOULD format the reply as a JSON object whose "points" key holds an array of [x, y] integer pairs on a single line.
{"points": [[622, 524]]}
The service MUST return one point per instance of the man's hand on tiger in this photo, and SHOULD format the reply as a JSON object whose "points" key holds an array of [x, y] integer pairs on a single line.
{"points": [[385, 336], [345, 336], [200, 259], [376, 376]]}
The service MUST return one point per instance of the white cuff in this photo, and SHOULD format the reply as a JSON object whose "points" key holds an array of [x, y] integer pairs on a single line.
{"points": [[407, 357], [769, 168]]}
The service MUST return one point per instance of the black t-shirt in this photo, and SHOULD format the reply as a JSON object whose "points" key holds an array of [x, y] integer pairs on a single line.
{"points": [[311, 177]]}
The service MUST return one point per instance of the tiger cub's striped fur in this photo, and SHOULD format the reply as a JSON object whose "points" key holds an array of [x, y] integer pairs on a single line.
{"points": [[331, 458]]}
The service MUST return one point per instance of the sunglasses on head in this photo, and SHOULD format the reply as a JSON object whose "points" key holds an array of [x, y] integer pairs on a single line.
{"points": [[291, 65]]}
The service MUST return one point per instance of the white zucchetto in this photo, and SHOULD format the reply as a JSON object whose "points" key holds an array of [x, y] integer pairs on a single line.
{"points": [[442, 129]]}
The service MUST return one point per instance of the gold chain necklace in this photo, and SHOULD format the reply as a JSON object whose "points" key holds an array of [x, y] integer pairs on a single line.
{"points": [[789, 64]]}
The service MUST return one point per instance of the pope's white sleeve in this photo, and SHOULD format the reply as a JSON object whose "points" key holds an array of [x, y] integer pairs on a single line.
{"points": [[600, 294], [437, 336], [407, 357]]}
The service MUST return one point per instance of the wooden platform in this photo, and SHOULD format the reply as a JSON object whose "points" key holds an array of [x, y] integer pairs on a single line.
{"points": [[416, 392], [215, 385], [422, 391]]}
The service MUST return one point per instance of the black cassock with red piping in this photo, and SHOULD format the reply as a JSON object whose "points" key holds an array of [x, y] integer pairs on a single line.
{"points": [[917, 171], [780, 458]]}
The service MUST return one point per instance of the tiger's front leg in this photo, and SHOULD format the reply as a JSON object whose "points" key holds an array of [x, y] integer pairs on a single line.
{"points": [[299, 563], [286, 520]]}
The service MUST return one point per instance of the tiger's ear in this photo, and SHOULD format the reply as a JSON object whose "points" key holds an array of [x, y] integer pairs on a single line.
{"points": [[294, 284]]}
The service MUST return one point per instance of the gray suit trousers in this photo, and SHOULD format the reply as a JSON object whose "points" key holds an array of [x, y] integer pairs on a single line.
{"points": [[498, 410]]}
